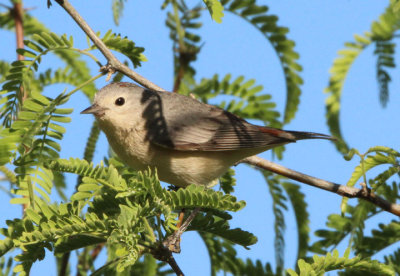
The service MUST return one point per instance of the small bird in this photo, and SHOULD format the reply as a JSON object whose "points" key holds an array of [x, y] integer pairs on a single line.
{"points": [[187, 141]]}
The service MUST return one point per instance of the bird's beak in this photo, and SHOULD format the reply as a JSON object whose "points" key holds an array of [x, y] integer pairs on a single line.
{"points": [[95, 110]]}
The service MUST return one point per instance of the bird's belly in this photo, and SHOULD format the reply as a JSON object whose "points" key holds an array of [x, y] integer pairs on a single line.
{"points": [[180, 168], [184, 168]]}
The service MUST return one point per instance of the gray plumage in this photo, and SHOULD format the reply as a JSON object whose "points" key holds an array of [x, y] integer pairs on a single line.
{"points": [[179, 135]]}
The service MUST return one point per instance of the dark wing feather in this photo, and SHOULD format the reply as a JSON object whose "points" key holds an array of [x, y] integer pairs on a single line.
{"points": [[235, 133], [182, 123]]}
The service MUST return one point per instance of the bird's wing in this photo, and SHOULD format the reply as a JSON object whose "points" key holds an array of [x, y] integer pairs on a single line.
{"points": [[198, 127]]}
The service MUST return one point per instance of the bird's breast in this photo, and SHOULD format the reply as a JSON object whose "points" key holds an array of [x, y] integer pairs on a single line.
{"points": [[130, 145]]}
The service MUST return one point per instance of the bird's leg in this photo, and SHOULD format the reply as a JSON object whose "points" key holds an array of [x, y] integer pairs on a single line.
{"points": [[181, 216], [173, 242]]}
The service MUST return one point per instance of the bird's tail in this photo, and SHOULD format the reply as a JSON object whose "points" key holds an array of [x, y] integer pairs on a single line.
{"points": [[300, 135]]}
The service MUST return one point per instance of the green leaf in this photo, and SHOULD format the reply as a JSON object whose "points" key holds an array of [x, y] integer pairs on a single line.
{"points": [[221, 228], [369, 163], [249, 101], [322, 264], [124, 46], [33, 46], [216, 9], [117, 8], [77, 242], [227, 181], [381, 31], [278, 207], [381, 238], [32, 215], [222, 254], [26, 53], [199, 196], [19, 200], [88, 187], [299, 204]]}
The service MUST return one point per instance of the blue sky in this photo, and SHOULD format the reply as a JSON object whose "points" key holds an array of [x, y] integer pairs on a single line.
{"points": [[319, 28]]}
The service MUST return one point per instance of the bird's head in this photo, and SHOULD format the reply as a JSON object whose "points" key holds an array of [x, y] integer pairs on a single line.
{"points": [[116, 103]]}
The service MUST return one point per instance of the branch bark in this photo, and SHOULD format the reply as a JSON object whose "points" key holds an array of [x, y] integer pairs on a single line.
{"points": [[19, 27], [350, 192], [163, 254], [64, 264], [173, 242]]}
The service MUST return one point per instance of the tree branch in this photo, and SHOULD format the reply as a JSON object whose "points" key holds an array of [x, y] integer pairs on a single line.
{"points": [[350, 192], [17, 11], [64, 264], [173, 242], [112, 60], [163, 254]]}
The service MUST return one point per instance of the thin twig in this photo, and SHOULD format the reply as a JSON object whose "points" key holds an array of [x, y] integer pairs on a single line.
{"points": [[346, 191], [171, 261], [163, 254], [64, 264], [112, 60], [19, 27], [190, 218], [173, 241], [96, 251]]}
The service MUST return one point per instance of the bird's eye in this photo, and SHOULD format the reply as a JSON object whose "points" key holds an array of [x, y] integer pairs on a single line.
{"points": [[120, 101]]}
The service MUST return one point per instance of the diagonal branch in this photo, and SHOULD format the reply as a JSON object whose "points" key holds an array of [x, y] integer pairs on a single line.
{"points": [[342, 190], [163, 254], [173, 242], [113, 62], [346, 191]]}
